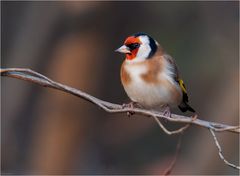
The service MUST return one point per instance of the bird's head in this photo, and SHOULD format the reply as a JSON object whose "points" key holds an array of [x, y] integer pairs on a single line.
{"points": [[138, 47]]}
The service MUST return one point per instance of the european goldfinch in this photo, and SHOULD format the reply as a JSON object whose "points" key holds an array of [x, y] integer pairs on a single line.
{"points": [[150, 76]]}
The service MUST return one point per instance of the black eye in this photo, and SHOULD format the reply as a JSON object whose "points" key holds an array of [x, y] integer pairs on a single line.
{"points": [[133, 46]]}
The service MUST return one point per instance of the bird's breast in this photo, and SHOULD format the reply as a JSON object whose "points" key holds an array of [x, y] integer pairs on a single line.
{"points": [[149, 87]]}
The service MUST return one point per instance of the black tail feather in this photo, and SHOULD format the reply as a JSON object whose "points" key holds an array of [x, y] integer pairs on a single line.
{"points": [[185, 107]]}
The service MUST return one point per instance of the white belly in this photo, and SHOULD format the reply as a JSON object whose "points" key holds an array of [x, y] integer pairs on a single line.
{"points": [[151, 95]]}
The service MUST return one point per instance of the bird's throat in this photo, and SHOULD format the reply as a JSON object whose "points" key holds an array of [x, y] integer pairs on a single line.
{"points": [[132, 55]]}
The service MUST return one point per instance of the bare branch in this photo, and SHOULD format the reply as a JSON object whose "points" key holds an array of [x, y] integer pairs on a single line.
{"points": [[37, 78], [220, 151], [180, 130]]}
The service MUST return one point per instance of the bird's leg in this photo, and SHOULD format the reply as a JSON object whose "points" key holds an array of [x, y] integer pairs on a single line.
{"points": [[167, 111], [130, 106]]}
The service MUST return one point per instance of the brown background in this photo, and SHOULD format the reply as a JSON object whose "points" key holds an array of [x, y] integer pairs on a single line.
{"points": [[49, 132]]}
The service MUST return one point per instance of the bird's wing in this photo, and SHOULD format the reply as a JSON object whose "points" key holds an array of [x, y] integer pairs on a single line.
{"points": [[172, 62], [184, 106], [177, 77]]}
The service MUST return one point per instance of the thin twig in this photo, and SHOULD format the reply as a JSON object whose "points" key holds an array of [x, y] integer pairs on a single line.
{"points": [[172, 164], [220, 153], [37, 78], [180, 130]]}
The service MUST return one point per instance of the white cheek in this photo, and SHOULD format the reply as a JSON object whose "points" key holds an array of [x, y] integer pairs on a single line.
{"points": [[143, 51]]}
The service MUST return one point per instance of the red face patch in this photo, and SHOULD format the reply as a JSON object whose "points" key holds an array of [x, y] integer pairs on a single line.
{"points": [[132, 40]]}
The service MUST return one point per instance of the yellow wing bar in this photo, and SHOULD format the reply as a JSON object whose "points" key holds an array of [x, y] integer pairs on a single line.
{"points": [[182, 85]]}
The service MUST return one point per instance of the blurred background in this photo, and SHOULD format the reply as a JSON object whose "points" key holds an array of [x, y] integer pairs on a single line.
{"points": [[44, 131]]}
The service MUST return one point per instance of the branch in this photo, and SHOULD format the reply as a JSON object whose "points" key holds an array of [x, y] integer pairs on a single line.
{"points": [[37, 78], [180, 130], [220, 152]]}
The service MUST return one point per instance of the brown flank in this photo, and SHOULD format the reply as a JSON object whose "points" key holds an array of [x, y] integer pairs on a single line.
{"points": [[155, 66], [125, 77]]}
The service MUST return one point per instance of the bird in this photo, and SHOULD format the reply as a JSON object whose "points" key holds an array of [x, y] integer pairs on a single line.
{"points": [[150, 76]]}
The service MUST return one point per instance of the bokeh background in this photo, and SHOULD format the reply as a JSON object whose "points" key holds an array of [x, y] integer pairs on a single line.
{"points": [[45, 131]]}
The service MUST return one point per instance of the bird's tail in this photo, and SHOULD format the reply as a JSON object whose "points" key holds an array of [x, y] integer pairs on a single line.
{"points": [[185, 107]]}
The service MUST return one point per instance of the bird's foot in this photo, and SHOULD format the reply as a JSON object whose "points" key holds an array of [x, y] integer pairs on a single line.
{"points": [[194, 117], [130, 106], [167, 111]]}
